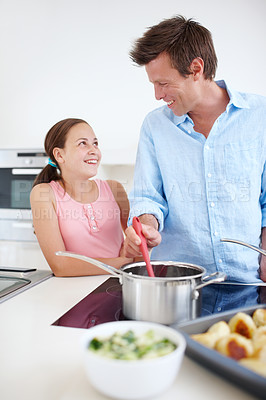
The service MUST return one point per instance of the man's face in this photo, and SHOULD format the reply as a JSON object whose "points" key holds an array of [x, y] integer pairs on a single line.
{"points": [[170, 86]]}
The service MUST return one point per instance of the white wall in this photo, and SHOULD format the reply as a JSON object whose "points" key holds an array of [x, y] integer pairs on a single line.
{"points": [[69, 58]]}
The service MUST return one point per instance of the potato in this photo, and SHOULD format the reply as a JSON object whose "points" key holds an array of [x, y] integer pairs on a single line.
{"points": [[243, 324], [259, 317], [235, 346]]}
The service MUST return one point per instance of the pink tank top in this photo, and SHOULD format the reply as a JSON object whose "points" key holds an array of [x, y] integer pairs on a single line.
{"points": [[93, 229]]}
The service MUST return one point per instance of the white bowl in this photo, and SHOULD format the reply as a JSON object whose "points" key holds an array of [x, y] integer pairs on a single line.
{"points": [[132, 379]]}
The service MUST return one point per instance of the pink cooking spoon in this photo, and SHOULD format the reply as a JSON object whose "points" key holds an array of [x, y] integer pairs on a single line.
{"points": [[143, 246]]}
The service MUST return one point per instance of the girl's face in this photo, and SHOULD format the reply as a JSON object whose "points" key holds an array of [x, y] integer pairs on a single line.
{"points": [[81, 155]]}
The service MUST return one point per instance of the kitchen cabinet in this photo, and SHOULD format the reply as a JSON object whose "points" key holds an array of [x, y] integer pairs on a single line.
{"points": [[82, 67]]}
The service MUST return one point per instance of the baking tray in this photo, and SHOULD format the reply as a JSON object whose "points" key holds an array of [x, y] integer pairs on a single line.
{"points": [[218, 363]]}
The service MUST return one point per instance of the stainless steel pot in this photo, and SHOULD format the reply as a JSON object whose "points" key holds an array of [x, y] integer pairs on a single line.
{"points": [[172, 296]]}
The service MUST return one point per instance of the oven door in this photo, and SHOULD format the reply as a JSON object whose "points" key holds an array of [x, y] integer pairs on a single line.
{"points": [[15, 210], [16, 185]]}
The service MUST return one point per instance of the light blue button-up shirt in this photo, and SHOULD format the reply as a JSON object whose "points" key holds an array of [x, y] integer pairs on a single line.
{"points": [[201, 190]]}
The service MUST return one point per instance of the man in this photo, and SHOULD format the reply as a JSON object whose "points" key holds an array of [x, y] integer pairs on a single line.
{"points": [[200, 168]]}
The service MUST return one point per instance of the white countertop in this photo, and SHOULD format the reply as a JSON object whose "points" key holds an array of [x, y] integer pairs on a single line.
{"points": [[43, 362]]}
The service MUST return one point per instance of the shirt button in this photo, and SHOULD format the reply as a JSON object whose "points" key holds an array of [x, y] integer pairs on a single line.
{"points": [[207, 147], [215, 233], [212, 204], [209, 175], [220, 261], [219, 308], [188, 131], [94, 228], [92, 218], [89, 206]]}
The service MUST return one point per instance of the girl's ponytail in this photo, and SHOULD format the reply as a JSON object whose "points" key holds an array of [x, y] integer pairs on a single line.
{"points": [[56, 137], [48, 174]]}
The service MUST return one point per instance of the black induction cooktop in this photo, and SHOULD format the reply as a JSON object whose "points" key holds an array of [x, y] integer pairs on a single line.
{"points": [[104, 304]]}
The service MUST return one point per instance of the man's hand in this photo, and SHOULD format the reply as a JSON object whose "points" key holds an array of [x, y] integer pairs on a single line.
{"points": [[132, 241]]}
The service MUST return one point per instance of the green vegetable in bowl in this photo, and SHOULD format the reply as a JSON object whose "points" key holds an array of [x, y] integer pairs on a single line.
{"points": [[129, 346]]}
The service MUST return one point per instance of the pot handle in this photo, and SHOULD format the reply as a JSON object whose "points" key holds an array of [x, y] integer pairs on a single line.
{"points": [[258, 249], [116, 272], [218, 277]]}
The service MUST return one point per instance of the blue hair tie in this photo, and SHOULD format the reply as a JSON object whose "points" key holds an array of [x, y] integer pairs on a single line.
{"points": [[50, 162]]}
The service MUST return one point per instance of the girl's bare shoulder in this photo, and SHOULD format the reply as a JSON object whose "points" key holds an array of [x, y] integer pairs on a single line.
{"points": [[115, 184], [116, 187], [42, 192]]}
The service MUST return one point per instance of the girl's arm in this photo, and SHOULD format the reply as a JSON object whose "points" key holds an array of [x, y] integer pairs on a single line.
{"points": [[47, 230]]}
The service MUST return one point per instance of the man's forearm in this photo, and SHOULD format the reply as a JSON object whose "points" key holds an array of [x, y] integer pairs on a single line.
{"points": [[149, 219]]}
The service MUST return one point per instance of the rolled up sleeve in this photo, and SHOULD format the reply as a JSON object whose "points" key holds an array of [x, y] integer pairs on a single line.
{"points": [[147, 196]]}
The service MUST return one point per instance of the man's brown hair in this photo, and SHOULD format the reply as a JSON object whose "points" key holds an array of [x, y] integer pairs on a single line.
{"points": [[183, 39]]}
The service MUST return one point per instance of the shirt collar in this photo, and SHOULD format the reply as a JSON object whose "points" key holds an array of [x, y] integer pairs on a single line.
{"points": [[236, 99], [179, 120]]}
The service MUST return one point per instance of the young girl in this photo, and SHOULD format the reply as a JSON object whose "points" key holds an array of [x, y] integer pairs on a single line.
{"points": [[73, 212]]}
